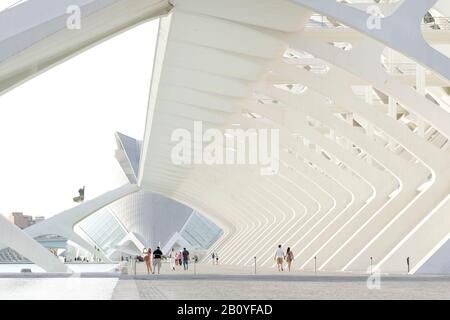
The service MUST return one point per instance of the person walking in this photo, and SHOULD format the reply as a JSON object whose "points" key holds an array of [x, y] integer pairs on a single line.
{"points": [[279, 255], [185, 259], [289, 257], [172, 258], [213, 257], [217, 259], [177, 258], [157, 256], [147, 260]]}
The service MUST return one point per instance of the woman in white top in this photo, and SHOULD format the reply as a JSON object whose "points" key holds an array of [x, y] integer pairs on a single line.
{"points": [[172, 258], [279, 257]]}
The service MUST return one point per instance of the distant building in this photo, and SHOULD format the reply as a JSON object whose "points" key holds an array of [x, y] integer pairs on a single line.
{"points": [[24, 221], [153, 218], [20, 220], [38, 219]]}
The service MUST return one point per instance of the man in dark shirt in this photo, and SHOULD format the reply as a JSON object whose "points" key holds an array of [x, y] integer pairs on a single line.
{"points": [[185, 259], [157, 256]]}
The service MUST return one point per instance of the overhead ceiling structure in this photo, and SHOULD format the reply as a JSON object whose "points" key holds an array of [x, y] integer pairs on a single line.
{"points": [[37, 35], [360, 102], [364, 155]]}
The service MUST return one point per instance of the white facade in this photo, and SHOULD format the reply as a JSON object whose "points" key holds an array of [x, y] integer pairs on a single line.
{"points": [[364, 150], [151, 217], [358, 93], [121, 222]]}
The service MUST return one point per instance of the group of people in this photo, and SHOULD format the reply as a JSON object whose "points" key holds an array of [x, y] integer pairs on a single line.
{"points": [[181, 258], [215, 258], [280, 257], [78, 259], [153, 260]]}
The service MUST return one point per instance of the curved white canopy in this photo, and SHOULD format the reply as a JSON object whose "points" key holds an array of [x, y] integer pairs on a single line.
{"points": [[360, 103]]}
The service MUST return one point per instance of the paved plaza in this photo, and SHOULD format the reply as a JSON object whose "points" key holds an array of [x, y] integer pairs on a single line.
{"points": [[237, 283], [220, 282]]}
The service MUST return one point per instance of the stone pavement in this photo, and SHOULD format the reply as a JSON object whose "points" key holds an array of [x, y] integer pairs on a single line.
{"points": [[237, 283], [220, 282]]}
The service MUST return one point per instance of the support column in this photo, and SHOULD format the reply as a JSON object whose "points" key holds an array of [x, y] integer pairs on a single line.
{"points": [[13, 237], [333, 138], [392, 103], [420, 86], [392, 108], [369, 130], [349, 118], [369, 126]]}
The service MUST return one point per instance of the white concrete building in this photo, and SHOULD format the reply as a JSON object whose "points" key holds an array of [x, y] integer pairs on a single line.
{"points": [[126, 224], [358, 93]]}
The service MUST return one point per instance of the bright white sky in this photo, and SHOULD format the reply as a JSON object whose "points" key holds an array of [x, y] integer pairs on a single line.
{"points": [[57, 130]]}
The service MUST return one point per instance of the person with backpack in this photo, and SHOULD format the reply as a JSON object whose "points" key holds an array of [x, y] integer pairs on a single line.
{"points": [[157, 256], [185, 255]]}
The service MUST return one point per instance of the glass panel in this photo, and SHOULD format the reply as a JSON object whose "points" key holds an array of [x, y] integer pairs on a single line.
{"points": [[200, 232], [103, 229]]}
